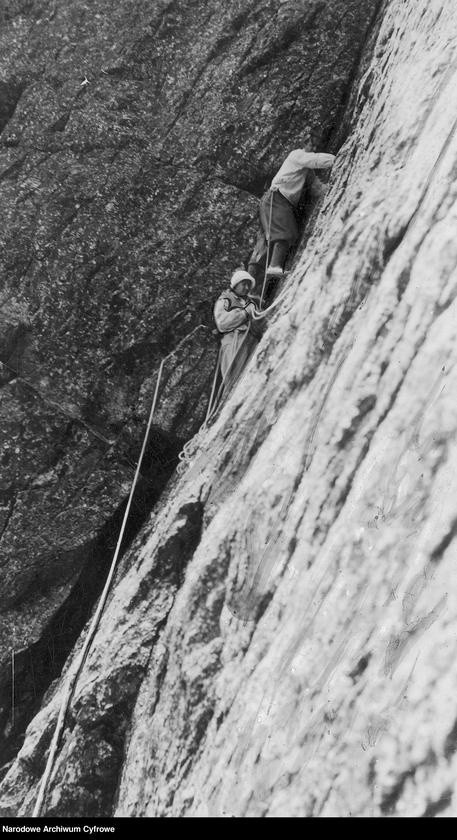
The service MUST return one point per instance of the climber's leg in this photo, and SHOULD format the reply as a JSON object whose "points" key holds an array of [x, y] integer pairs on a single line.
{"points": [[282, 226], [258, 256], [279, 253]]}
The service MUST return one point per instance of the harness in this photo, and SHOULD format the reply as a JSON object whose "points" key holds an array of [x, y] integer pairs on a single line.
{"points": [[229, 299]]}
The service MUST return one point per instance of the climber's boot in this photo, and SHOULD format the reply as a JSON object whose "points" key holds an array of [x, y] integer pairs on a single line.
{"points": [[278, 258]]}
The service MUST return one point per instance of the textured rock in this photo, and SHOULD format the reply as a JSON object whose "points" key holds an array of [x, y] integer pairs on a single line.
{"points": [[280, 638], [134, 142]]}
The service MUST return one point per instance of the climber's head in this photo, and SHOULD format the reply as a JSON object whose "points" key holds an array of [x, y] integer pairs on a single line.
{"points": [[242, 282]]}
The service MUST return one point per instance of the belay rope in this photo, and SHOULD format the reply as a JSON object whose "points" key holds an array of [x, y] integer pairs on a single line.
{"points": [[268, 250], [192, 445], [69, 691], [211, 399], [183, 456], [72, 680], [257, 315], [260, 313]]}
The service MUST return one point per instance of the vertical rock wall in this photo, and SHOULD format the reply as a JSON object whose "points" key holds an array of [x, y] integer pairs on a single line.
{"points": [[135, 139], [280, 638]]}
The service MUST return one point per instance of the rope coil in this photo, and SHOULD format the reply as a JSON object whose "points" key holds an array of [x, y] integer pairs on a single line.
{"points": [[259, 314]]}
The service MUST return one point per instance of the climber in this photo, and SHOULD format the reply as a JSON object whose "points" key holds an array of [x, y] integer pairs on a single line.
{"points": [[233, 316], [278, 206]]}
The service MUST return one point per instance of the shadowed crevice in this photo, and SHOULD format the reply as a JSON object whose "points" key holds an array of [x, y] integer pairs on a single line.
{"points": [[10, 94], [37, 666]]}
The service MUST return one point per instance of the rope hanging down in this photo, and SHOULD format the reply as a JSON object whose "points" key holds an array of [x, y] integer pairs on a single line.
{"points": [[68, 694], [70, 688], [191, 446], [268, 251], [260, 313], [257, 315], [210, 404], [227, 374]]}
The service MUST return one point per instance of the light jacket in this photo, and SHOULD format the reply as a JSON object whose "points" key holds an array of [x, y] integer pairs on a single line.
{"points": [[232, 312], [290, 179]]}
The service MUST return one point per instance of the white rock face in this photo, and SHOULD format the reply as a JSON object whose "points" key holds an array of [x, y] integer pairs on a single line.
{"points": [[281, 640]]}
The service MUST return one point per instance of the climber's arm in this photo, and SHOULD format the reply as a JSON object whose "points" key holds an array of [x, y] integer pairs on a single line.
{"points": [[314, 160]]}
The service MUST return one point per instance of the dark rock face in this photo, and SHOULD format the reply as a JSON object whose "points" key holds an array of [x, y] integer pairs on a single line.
{"points": [[135, 140]]}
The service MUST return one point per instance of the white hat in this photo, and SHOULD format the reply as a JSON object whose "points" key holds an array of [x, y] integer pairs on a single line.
{"points": [[239, 275]]}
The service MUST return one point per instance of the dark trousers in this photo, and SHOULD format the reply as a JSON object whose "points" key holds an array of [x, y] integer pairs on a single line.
{"points": [[277, 218]]}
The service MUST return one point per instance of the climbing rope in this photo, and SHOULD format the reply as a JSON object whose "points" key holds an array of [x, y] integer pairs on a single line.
{"points": [[68, 694], [183, 457], [258, 314], [210, 404], [189, 449], [70, 688], [192, 445], [268, 250], [229, 370]]}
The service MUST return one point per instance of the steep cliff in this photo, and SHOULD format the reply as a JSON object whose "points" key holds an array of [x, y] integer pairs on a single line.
{"points": [[135, 138], [280, 637]]}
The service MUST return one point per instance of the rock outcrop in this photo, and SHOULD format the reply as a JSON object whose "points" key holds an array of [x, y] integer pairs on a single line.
{"points": [[134, 143], [280, 637]]}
